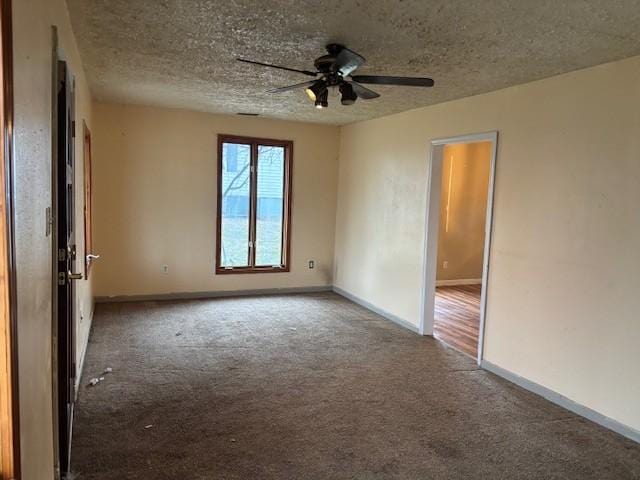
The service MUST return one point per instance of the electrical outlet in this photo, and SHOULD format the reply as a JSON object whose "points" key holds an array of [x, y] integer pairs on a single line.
{"points": [[445, 264], [165, 268], [312, 264]]}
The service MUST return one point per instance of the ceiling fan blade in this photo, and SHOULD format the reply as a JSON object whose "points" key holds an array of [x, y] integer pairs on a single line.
{"points": [[347, 61], [306, 72], [292, 87], [363, 92], [404, 81]]}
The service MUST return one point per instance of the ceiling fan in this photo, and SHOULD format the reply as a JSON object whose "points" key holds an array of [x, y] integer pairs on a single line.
{"points": [[335, 70]]}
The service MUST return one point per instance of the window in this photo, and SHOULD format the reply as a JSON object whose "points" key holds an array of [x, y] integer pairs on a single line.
{"points": [[231, 157], [254, 205]]}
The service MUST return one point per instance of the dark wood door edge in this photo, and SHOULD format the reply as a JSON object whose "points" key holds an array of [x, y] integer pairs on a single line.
{"points": [[11, 465]]}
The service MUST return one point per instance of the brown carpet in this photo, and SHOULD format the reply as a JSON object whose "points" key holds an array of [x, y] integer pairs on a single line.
{"points": [[312, 387]]}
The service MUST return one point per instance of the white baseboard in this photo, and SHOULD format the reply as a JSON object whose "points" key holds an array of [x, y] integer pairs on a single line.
{"points": [[263, 291], [85, 347], [564, 402], [462, 281], [212, 294], [374, 309]]}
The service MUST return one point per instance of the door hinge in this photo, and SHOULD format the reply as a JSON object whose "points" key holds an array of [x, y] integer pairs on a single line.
{"points": [[73, 129], [62, 278], [62, 254]]}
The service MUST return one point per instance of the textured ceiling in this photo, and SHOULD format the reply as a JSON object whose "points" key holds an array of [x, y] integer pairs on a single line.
{"points": [[181, 53]]}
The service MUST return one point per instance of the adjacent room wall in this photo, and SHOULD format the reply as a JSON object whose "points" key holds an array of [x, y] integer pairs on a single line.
{"points": [[155, 200], [465, 182], [563, 281], [32, 22]]}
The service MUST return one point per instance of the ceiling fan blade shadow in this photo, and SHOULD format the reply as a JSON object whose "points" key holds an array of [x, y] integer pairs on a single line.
{"points": [[402, 81], [363, 92], [292, 87], [347, 61], [305, 72]]}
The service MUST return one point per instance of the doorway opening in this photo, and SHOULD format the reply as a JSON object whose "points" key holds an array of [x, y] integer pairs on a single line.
{"points": [[458, 237]]}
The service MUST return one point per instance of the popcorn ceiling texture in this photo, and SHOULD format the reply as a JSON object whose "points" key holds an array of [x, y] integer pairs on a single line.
{"points": [[181, 53]]}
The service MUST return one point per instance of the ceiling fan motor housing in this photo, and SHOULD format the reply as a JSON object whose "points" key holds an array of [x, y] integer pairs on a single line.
{"points": [[324, 63]]}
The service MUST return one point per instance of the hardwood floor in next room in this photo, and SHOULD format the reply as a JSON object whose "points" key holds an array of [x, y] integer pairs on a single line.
{"points": [[457, 317]]}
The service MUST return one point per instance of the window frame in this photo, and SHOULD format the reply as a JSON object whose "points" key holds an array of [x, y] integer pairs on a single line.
{"points": [[254, 143]]}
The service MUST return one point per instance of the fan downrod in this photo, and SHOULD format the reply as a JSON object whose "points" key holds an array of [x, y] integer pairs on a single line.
{"points": [[325, 63]]}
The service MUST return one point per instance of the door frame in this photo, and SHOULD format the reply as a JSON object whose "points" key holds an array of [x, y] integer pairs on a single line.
{"points": [[53, 231], [432, 224], [9, 397]]}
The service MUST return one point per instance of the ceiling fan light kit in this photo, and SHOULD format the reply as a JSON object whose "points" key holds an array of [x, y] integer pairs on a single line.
{"points": [[335, 70], [322, 100], [348, 96], [315, 90]]}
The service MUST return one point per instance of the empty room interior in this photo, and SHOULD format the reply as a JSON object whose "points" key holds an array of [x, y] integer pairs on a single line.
{"points": [[464, 187], [319, 240]]}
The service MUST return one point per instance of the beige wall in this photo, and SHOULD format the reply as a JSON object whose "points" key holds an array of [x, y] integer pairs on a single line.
{"points": [[463, 207], [562, 295], [32, 21], [155, 200]]}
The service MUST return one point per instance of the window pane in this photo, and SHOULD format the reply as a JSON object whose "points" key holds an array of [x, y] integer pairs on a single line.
{"points": [[270, 203], [234, 248]]}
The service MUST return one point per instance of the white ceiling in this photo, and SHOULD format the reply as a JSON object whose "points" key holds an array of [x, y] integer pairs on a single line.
{"points": [[181, 53]]}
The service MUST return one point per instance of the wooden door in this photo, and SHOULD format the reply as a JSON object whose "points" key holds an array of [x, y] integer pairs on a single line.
{"points": [[66, 256]]}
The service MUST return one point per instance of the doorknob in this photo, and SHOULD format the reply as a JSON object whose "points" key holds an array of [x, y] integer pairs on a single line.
{"points": [[91, 257], [74, 276]]}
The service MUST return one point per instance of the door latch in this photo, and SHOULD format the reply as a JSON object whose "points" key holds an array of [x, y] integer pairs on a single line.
{"points": [[64, 276], [74, 276]]}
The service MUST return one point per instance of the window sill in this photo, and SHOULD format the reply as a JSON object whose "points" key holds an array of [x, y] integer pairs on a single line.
{"points": [[228, 271]]}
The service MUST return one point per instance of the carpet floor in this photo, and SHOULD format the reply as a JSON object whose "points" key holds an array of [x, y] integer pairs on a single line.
{"points": [[312, 386]]}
